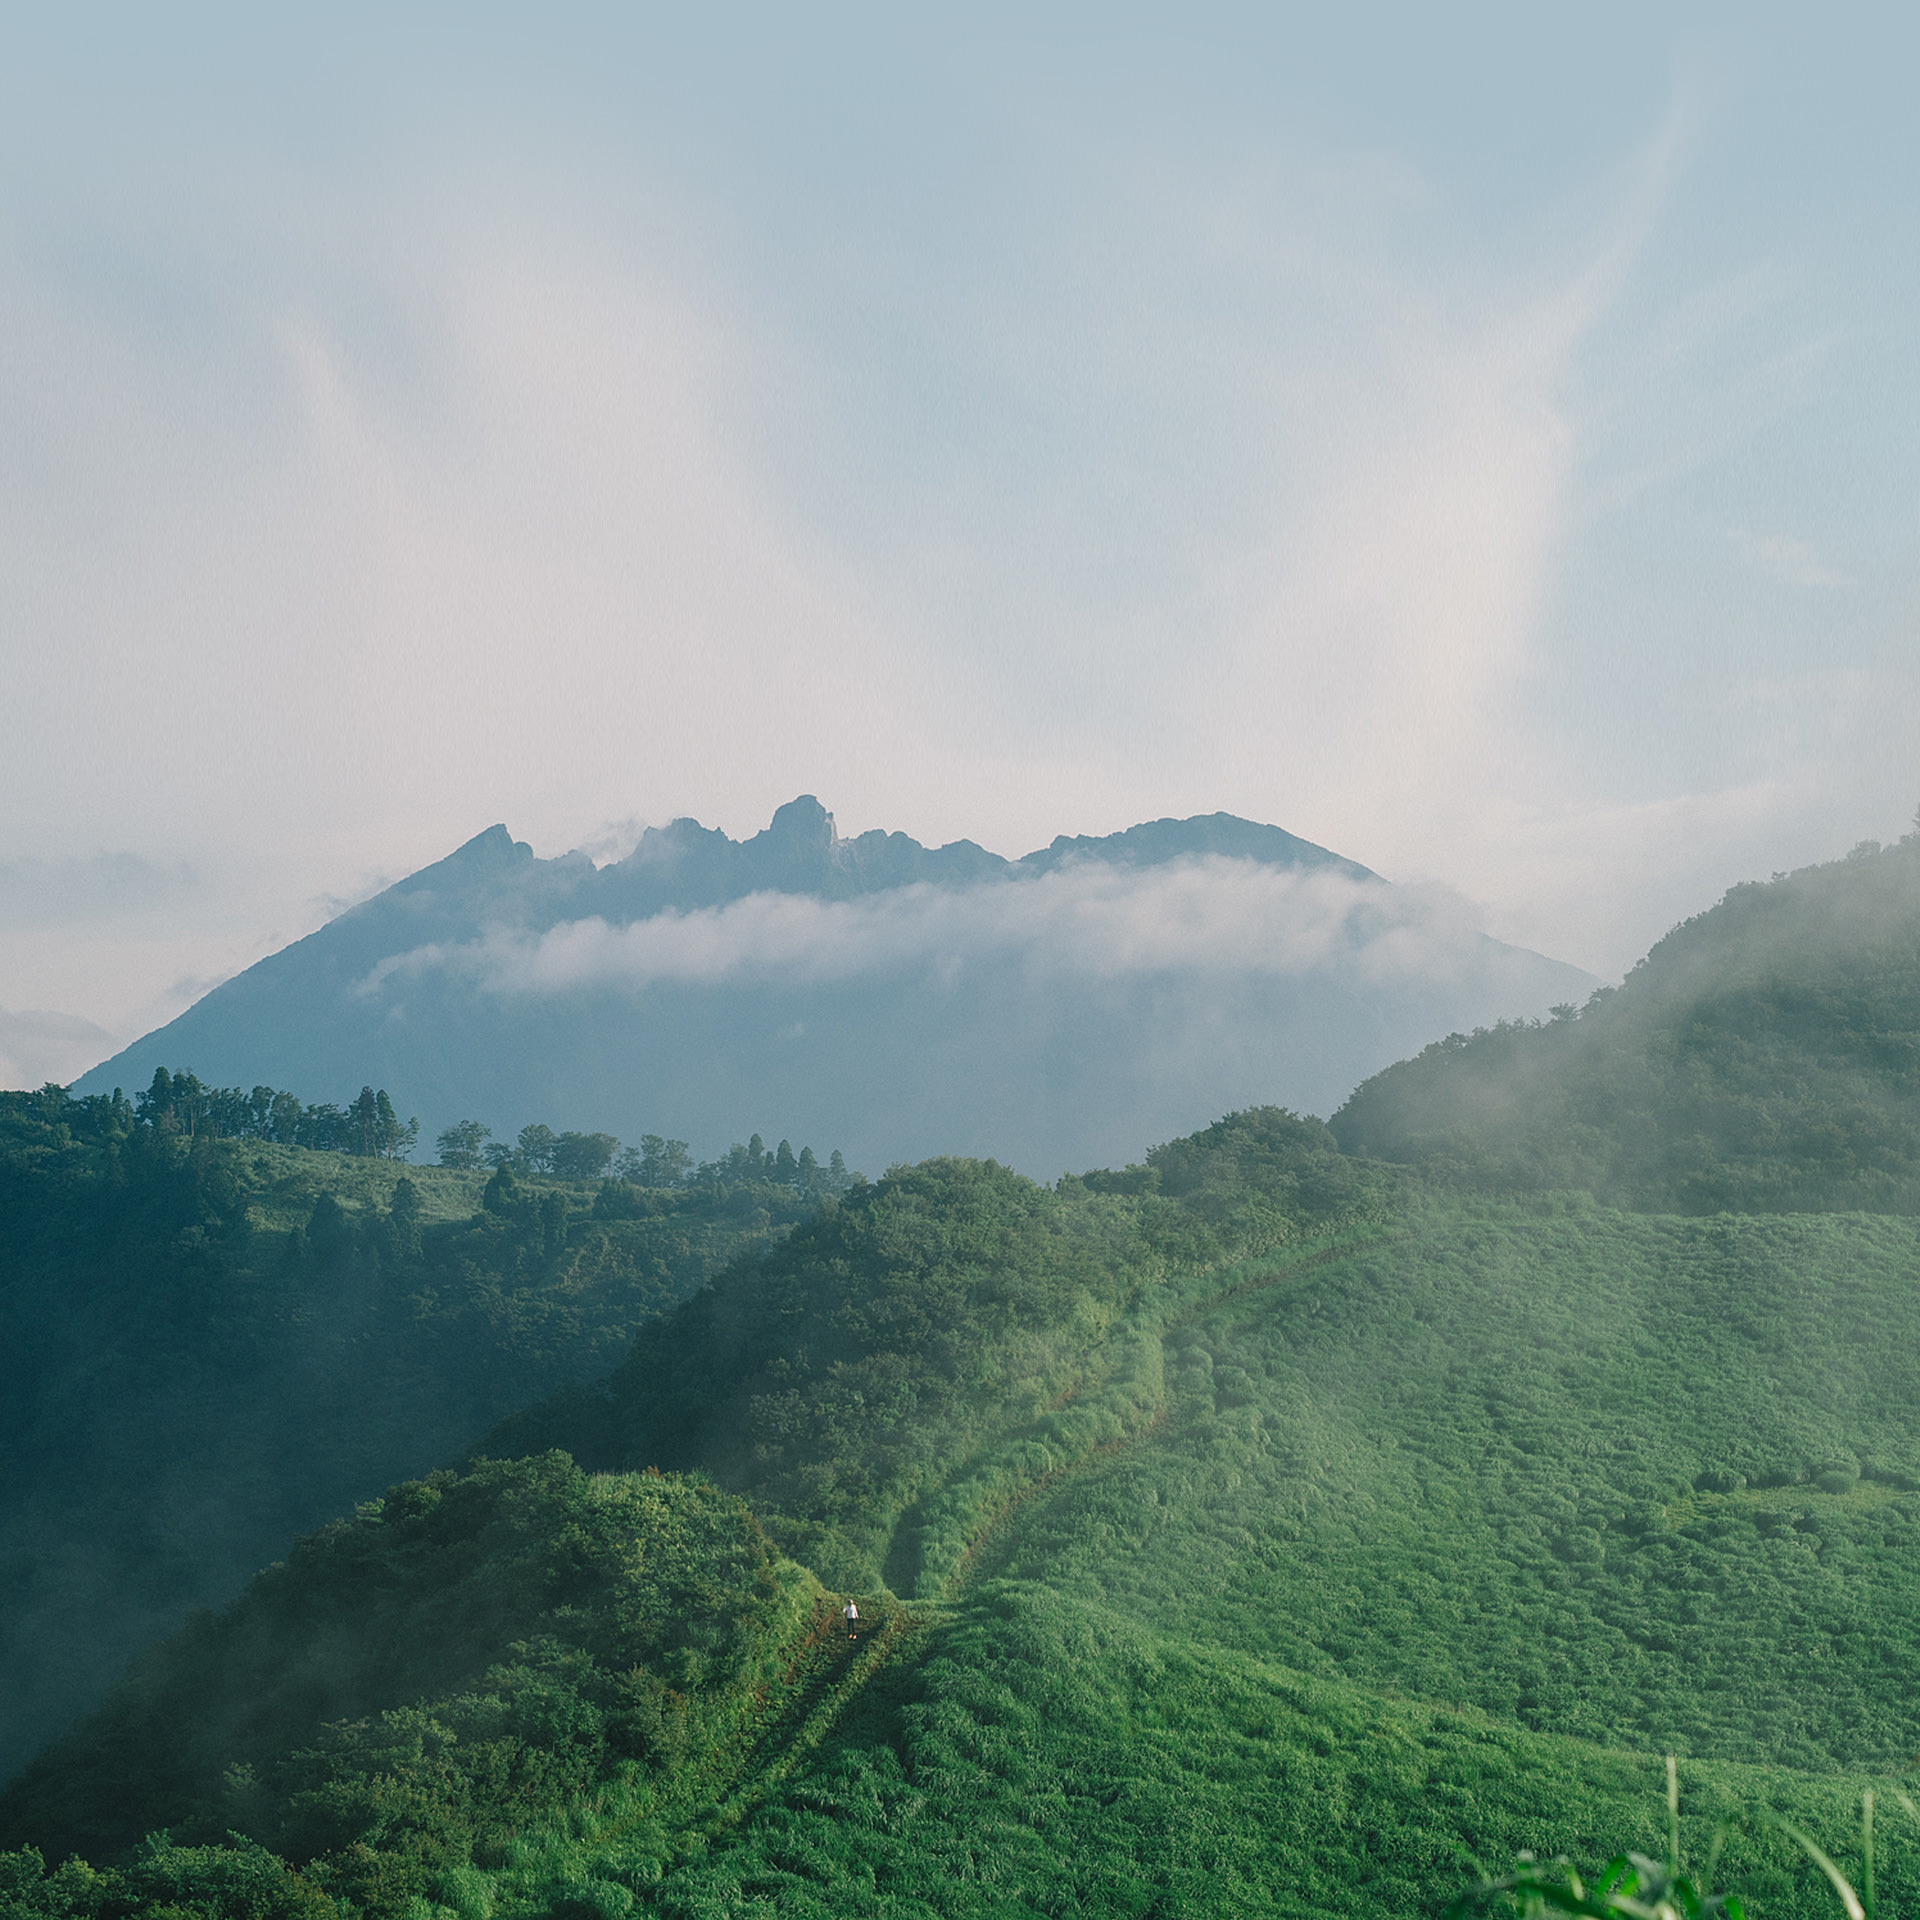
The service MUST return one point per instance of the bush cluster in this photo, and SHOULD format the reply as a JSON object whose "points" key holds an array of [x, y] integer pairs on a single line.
{"points": [[414, 1687]]}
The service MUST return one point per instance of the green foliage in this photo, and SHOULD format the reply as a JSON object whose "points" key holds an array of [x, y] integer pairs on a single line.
{"points": [[1563, 1466], [414, 1686], [1053, 1756], [210, 1345], [657, 1163], [1251, 1181], [1630, 1886], [178, 1103], [967, 1335], [1457, 1469], [665, 1163], [1468, 1464], [750, 1164], [1764, 1057], [232, 1882], [844, 1380], [460, 1144]]}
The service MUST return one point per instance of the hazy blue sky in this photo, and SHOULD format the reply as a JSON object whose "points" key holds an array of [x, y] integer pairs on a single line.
{"points": [[1485, 446]]}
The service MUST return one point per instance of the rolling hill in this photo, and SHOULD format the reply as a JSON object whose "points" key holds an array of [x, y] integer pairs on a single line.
{"points": [[210, 1345], [1268, 1527], [1764, 1056]]}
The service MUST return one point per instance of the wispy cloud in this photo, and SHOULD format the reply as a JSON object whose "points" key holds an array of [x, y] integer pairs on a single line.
{"points": [[1782, 557], [1204, 917], [351, 500], [38, 1047]]}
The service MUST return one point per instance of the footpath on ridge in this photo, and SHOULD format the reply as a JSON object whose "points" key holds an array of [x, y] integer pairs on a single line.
{"points": [[835, 1687]]}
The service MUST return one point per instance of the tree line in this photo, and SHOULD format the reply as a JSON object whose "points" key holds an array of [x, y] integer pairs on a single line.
{"points": [[368, 1125], [655, 1162], [180, 1103]]}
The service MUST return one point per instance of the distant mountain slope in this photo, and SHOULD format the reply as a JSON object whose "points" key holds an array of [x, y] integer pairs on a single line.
{"points": [[1765, 1056], [1058, 1011]]}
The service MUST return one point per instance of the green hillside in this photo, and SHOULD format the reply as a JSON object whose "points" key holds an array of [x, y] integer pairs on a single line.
{"points": [[1502, 1463], [1266, 1529], [1764, 1057], [1404, 1565], [1045, 1757], [208, 1345], [1650, 1481], [464, 1653], [905, 1360]]}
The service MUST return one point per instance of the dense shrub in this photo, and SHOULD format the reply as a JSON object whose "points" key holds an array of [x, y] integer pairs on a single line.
{"points": [[411, 1687]]}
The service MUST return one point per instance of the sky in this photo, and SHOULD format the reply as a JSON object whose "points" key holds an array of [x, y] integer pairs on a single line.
{"points": [[1488, 447]]}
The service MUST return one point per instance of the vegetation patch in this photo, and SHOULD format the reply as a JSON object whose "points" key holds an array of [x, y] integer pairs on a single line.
{"points": [[1280, 1529], [466, 1661], [208, 1345], [1763, 1058]]}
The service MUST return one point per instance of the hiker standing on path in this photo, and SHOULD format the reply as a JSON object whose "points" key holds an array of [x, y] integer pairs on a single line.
{"points": [[851, 1615]]}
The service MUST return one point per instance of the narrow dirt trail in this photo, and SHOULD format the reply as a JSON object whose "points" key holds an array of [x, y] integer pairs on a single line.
{"points": [[991, 1544], [827, 1703], [831, 1689]]}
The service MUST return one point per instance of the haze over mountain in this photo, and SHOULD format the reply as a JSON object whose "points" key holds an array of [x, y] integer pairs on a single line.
{"points": [[1763, 1058], [1062, 1010]]}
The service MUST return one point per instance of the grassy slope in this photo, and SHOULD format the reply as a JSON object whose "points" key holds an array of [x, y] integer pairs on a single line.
{"points": [[1764, 1057], [1412, 1520], [1047, 1756], [1464, 1468], [1305, 1604], [290, 1179]]}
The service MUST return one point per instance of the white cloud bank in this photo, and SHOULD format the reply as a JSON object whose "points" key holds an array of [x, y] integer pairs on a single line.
{"points": [[1207, 917]]}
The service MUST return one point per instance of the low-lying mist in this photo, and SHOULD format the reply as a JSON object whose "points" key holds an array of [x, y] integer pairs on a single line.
{"points": [[1057, 1021]]}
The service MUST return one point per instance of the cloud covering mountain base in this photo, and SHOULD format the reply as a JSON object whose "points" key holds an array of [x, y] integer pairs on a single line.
{"points": [[1058, 1012]]}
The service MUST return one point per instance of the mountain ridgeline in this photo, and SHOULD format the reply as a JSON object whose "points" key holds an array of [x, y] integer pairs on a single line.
{"points": [[1298, 1520], [1060, 1011], [1764, 1057]]}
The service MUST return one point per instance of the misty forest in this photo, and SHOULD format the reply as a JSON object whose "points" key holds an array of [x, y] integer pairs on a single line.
{"points": [[459, 1518]]}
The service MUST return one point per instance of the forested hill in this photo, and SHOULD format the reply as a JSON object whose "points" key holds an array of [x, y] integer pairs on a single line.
{"points": [[1261, 1536], [416, 1686], [208, 1344], [1060, 1011], [954, 1313], [1765, 1056]]}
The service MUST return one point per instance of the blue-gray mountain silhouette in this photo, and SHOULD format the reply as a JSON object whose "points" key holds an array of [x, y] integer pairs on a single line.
{"points": [[976, 1055]]}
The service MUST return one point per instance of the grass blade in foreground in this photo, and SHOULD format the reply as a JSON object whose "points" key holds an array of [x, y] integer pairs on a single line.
{"points": [[1632, 1887]]}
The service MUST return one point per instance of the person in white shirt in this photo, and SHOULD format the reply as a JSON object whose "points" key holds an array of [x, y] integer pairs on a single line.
{"points": [[851, 1615]]}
